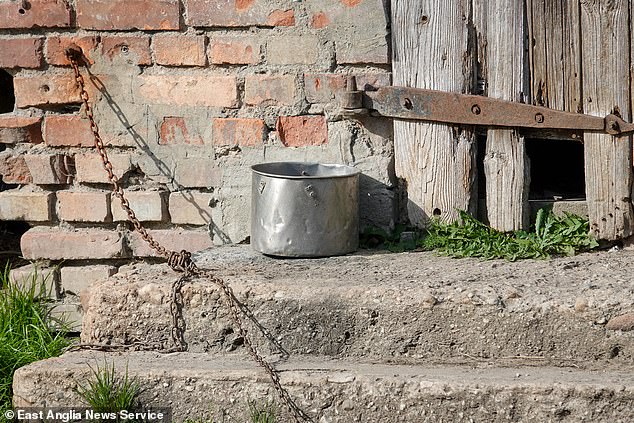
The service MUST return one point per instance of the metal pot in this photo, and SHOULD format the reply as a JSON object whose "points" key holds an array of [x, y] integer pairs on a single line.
{"points": [[304, 209]]}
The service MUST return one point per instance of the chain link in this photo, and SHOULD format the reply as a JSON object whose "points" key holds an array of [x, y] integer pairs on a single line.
{"points": [[178, 261]]}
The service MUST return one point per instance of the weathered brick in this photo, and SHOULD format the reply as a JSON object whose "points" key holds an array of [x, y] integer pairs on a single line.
{"points": [[274, 89], [189, 90], [176, 131], [75, 279], [43, 280], [89, 206], [236, 13], [359, 28], [190, 208], [195, 172], [89, 167], [180, 50], [319, 20], [21, 52], [43, 90], [292, 50], [242, 132], [128, 14], [299, 131], [324, 87], [233, 50], [39, 13], [80, 244], [13, 169], [134, 50], [281, 17], [56, 48], [67, 131], [70, 315], [148, 206], [172, 239], [27, 206], [50, 169], [17, 129]]}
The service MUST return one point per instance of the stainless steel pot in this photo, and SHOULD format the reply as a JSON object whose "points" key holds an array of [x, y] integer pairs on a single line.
{"points": [[304, 209]]}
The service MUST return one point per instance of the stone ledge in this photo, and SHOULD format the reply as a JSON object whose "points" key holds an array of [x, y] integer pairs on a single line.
{"points": [[343, 391]]}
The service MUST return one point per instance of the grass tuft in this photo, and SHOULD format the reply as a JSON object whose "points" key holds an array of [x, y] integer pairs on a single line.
{"points": [[262, 413], [108, 392], [27, 332]]}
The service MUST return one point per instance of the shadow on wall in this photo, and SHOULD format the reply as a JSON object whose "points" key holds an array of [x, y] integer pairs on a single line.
{"points": [[214, 230]]}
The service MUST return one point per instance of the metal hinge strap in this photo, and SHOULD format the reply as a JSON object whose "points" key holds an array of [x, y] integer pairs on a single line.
{"points": [[462, 109]]}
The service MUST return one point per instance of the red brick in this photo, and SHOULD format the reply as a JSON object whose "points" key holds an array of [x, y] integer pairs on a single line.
{"points": [[172, 239], [190, 208], [243, 132], [21, 52], [261, 89], [90, 169], [148, 206], [292, 50], [27, 206], [90, 206], [192, 89], [44, 90], [75, 279], [319, 20], [231, 50], [196, 172], [300, 131], [180, 50], [175, 131], [80, 244], [133, 50], [40, 14], [50, 169], [67, 131], [14, 169], [20, 129], [128, 14], [281, 18], [236, 13], [56, 48]]}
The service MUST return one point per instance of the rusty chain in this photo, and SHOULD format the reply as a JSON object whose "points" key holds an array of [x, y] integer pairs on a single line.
{"points": [[178, 261]]}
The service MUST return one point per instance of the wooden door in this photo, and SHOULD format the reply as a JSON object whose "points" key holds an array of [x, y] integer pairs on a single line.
{"points": [[571, 55]]}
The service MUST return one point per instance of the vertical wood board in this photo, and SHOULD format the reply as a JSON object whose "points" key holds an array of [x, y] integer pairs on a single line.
{"points": [[605, 40], [506, 166], [431, 49], [554, 53]]}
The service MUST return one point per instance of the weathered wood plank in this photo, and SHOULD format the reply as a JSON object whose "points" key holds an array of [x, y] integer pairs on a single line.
{"points": [[431, 49], [555, 53], [605, 41], [506, 165]]}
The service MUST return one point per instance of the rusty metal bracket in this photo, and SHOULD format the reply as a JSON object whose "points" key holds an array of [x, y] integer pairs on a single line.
{"points": [[462, 109]]}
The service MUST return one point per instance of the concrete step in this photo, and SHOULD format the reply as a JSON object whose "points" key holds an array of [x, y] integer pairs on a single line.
{"points": [[383, 306], [201, 385]]}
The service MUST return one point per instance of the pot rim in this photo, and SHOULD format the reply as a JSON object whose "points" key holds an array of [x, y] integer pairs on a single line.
{"points": [[262, 169]]}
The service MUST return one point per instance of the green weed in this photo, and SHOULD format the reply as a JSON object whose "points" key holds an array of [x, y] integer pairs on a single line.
{"points": [[262, 413], [26, 330], [552, 235], [108, 392]]}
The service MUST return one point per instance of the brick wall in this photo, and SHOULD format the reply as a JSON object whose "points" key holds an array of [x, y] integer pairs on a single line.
{"points": [[187, 94]]}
